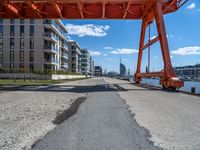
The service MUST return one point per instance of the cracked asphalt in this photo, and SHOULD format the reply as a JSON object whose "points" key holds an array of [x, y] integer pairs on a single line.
{"points": [[102, 122]]}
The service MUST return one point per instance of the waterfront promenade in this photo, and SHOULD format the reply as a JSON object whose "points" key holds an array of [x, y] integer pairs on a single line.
{"points": [[98, 113]]}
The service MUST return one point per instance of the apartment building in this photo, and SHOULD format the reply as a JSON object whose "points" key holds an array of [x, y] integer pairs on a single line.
{"points": [[98, 71], [28, 45], [92, 69], [85, 61], [74, 57]]}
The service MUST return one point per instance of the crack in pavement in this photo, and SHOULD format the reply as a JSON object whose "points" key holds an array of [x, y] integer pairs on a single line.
{"points": [[102, 122]]}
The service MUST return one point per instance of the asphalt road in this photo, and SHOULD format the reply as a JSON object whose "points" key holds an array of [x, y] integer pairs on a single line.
{"points": [[102, 122]]}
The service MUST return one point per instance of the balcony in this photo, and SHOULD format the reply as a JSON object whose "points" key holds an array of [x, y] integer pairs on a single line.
{"points": [[65, 47], [64, 65], [50, 48], [52, 61], [65, 56], [51, 24], [50, 37]]}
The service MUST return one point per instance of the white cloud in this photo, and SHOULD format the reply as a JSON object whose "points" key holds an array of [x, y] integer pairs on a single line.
{"points": [[191, 6], [124, 51], [107, 47], [105, 54], [87, 30], [193, 50], [95, 53], [153, 37]]}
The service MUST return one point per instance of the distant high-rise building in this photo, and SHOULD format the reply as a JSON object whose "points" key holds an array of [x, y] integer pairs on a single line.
{"points": [[122, 69]]}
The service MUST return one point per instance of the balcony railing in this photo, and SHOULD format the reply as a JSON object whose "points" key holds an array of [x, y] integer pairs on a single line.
{"points": [[64, 55], [51, 60], [51, 47], [51, 35]]}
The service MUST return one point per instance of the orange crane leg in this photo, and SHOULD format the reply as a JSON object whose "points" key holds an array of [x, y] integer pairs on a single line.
{"points": [[168, 78]]}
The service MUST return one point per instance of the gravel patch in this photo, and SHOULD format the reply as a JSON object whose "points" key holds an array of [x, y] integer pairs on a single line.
{"points": [[27, 115]]}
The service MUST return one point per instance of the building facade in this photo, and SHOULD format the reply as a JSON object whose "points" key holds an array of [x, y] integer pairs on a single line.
{"points": [[98, 71], [188, 72], [28, 45], [92, 68], [74, 57], [85, 62], [122, 69]]}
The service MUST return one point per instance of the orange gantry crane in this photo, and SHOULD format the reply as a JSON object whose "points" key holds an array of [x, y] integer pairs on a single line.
{"points": [[146, 10]]}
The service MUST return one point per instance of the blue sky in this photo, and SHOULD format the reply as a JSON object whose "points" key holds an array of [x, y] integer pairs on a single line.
{"points": [[107, 40]]}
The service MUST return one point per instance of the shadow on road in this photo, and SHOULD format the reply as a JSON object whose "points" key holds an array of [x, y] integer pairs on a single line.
{"points": [[76, 89]]}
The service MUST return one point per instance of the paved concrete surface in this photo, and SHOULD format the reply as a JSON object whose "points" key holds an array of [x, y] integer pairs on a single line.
{"points": [[173, 119], [102, 122], [170, 120], [27, 112]]}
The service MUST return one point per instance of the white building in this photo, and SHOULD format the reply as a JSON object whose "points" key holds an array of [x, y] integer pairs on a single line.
{"points": [[33, 45]]}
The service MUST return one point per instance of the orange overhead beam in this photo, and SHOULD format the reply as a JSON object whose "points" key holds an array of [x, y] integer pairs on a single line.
{"points": [[82, 9]]}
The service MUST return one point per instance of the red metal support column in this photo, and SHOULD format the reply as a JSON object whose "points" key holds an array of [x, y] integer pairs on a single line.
{"points": [[142, 36], [169, 79], [163, 39]]}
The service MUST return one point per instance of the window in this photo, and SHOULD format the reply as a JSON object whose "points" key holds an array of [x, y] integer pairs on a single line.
{"points": [[1, 21], [1, 65], [31, 30], [21, 67], [1, 55], [21, 43], [31, 67], [21, 21], [21, 56], [1, 43], [11, 66], [12, 21], [11, 56], [21, 30], [12, 30], [1, 30], [31, 21], [12, 43], [31, 43], [31, 56]]}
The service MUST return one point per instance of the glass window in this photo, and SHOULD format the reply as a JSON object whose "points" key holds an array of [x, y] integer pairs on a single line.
{"points": [[1, 55], [31, 21], [11, 56], [31, 67], [1, 43], [11, 66], [21, 67], [1, 21], [12, 43], [1, 30], [12, 30], [31, 30], [31, 43], [21, 56], [21, 21], [21, 30], [31, 56], [12, 21], [21, 43]]}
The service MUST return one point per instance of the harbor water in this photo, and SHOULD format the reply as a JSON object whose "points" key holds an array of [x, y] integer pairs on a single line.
{"points": [[187, 85]]}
